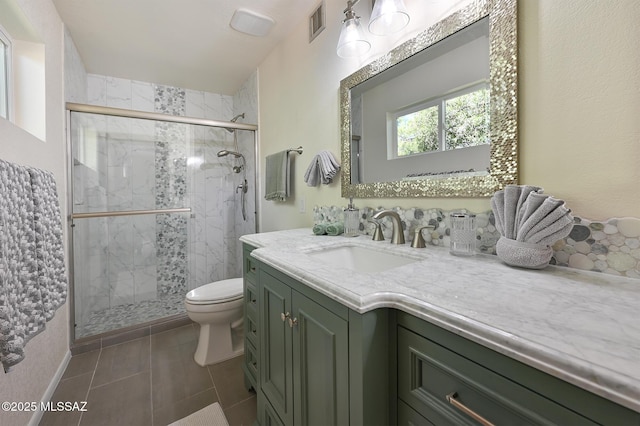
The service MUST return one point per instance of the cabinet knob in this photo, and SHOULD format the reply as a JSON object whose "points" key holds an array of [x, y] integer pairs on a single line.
{"points": [[293, 322], [285, 316]]}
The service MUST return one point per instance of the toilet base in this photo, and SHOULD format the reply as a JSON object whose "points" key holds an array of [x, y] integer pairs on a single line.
{"points": [[223, 347]]}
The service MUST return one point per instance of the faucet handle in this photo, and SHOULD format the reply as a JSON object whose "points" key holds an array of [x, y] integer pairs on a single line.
{"points": [[377, 233], [418, 239]]}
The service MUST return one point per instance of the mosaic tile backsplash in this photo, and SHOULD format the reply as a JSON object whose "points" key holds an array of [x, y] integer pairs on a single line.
{"points": [[611, 246]]}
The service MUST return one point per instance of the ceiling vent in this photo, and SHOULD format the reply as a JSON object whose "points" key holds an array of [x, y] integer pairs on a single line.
{"points": [[316, 22], [251, 23]]}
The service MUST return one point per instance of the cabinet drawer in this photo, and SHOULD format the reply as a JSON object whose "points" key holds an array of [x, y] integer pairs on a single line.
{"points": [[249, 264], [251, 299], [428, 373], [251, 313], [251, 329], [407, 416], [251, 362]]}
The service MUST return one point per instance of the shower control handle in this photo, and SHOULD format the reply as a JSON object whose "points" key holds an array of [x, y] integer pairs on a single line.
{"points": [[243, 187]]}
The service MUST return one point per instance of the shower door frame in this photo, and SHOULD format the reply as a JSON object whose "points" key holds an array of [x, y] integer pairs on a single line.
{"points": [[153, 116]]}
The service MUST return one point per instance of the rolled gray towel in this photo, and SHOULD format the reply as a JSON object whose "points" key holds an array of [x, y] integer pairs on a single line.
{"points": [[547, 211], [529, 222], [510, 202]]}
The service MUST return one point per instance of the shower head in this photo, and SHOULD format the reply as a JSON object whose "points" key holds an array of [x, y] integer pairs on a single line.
{"points": [[233, 120], [225, 152]]}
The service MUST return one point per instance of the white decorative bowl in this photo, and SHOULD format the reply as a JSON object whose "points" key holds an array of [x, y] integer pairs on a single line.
{"points": [[524, 255]]}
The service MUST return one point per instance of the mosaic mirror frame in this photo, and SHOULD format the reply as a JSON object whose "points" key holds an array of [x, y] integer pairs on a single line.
{"points": [[503, 80]]}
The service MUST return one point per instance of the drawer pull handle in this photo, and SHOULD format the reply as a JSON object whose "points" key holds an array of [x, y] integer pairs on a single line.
{"points": [[451, 399], [285, 316]]}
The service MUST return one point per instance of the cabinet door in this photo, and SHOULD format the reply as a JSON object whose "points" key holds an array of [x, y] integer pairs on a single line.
{"points": [[275, 370], [320, 364], [266, 415]]}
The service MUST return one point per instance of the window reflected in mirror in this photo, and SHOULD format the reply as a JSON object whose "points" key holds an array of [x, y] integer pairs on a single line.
{"points": [[456, 121]]}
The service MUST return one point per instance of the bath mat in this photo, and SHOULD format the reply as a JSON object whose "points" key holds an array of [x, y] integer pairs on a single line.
{"points": [[211, 415]]}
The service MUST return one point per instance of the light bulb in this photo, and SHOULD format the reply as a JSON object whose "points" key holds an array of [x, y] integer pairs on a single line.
{"points": [[352, 41], [388, 17]]}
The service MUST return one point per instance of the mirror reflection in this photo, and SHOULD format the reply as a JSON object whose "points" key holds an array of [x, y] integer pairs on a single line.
{"points": [[427, 116], [437, 115]]}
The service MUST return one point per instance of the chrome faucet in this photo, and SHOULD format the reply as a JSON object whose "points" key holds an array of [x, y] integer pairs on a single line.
{"points": [[397, 234]]}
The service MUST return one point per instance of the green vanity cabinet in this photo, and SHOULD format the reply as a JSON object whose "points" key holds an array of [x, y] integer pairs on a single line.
{"points": [[251, 361], [436, 366], [312, 360], [318, 361], [304, 357]]}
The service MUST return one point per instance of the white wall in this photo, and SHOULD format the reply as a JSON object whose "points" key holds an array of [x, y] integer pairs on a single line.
{"points": [[28, 380], [578, 94], [579, 103]]}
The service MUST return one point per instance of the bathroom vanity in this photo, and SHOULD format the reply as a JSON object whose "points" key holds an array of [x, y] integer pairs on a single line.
{"points": [[440, 339]]}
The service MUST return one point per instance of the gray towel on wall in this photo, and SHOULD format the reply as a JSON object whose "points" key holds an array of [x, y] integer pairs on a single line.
{"points": [[277, 179], [33, 281], [52, 278], [323, 168]]}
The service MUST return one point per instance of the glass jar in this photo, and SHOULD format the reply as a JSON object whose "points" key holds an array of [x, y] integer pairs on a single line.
{"points": [[463, 234], [351, 222]]}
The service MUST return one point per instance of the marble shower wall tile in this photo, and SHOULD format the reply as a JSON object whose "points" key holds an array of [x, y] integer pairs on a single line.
{"points": [[142, 96], [119, 93]]}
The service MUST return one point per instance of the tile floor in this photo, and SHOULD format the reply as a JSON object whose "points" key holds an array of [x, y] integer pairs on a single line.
{"points": [[150, 381]]}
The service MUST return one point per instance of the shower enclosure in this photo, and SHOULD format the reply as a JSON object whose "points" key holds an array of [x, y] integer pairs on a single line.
{"points": [[155, 211]]}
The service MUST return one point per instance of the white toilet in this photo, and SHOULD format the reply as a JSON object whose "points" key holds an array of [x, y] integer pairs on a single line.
{"points": [[217, 307]]}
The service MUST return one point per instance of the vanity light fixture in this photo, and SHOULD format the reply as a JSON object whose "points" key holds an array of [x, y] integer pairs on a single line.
{"points": [[352, 41], [388, 17]]}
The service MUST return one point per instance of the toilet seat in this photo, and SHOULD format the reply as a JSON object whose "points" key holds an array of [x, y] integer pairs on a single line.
{"points": [[216, 292]]}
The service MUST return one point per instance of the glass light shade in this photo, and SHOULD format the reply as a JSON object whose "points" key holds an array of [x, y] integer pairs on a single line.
{"points": [[388, 17], [352, 41]]}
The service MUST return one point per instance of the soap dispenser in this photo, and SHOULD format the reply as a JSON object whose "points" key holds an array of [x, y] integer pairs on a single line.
{"points": [[351, 220]]}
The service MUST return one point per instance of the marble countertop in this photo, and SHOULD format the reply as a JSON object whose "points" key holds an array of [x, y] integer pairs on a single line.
{"points": [[579, 326]]}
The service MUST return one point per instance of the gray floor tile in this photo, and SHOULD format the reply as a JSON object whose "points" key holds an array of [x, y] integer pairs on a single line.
{"points": [[123, 402], [73, 390], [229, 380], [170, 412], [81, 364], [243, 413], [123, 360], [151, 381]]}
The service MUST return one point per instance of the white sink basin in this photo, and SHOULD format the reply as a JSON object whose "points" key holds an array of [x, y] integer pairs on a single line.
{"points": [[360, 259]]}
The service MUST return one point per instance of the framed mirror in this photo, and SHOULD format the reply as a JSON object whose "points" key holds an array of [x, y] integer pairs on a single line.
{"points": [[436, 116]]}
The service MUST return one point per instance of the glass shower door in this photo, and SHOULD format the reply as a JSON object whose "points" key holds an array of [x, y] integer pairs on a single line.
{"points": [[131, 212]]}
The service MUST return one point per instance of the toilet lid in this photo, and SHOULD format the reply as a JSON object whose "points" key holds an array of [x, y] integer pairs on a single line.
{"points": [[217, 292]]}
